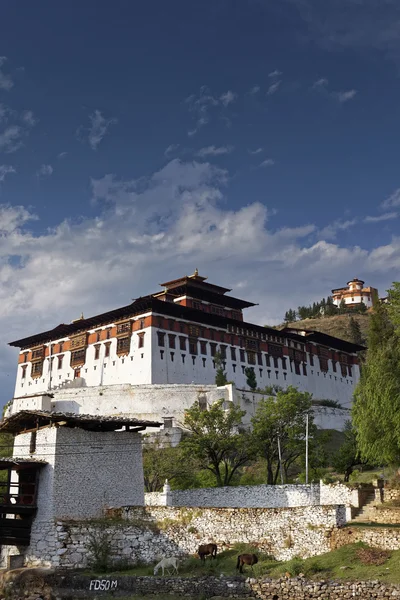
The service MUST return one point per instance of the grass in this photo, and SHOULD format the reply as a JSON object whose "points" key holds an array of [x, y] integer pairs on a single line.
{"points": [[337, 325], [347, 562]]}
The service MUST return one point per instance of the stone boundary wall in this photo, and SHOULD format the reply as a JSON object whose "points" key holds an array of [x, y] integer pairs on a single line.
{"points": [[385, 538], [229, 587], [390, 494], [380, 514], [260, 496], [147, 534]]}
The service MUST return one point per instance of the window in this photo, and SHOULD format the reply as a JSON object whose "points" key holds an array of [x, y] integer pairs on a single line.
{"points": [[297, 368], [161, 338], [141, 324], [269, 374], [251, 358], [78, 357], [172, 356], [204, 362], [283, 363], [213, 348], [276, 364], [26, 356], [140, 340], [343, 369], [160, 322], [260, 372], [161, 354], [108, 334], [60, 361], [267, 360], [311, 358], [197, 305], [60, 346], [233, 353], [212, 334], [107, 349], [242, 356], [222, 350], [350, 370], [171, 340], [183, 358], [171, 324], [123, 328], [194, 360], [23, 371], [259, 358], [38, 353], [37, 369], [194, 331], [334, 365], [304, 370], [182, 342], [323, 363], [222, 337], [96, 352], [236, 315], [182, 327], [275, 350], [192, 346], [123, 345], [203, 347], [243, 369]]}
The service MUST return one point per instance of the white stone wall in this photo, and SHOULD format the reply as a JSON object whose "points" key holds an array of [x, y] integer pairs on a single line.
{"points": [[243, 496], [151, 533]]}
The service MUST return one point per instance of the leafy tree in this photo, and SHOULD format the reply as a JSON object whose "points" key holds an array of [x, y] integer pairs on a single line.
{"points": [[348, 455], [220, 375], [355, 331], [282, 418], [215, 440], [164, 462], [251, 378], [376, 408]]}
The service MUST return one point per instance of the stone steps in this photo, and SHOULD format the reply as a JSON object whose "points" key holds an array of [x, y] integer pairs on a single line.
{"points": [[364, 512]]}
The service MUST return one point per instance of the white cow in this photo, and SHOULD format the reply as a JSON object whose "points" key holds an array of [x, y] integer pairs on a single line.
{"points": [[165, 563]]}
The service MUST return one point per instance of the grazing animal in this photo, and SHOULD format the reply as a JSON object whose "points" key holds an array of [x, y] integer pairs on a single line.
{"points": [[207, 549], [246, 559], [165, 563]]}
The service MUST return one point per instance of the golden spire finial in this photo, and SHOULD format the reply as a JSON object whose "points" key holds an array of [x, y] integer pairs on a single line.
{"points": [[196, 271]]}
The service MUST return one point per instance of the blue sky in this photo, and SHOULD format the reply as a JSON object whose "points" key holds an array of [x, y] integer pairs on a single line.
{"points": [[255, 140]]}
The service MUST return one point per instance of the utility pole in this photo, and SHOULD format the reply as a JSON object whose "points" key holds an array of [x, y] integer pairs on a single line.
{"points": [[307, 448], [280, 459]]}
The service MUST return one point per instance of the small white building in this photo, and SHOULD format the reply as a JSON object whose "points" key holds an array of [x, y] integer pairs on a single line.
{"points": [[355, 294]]}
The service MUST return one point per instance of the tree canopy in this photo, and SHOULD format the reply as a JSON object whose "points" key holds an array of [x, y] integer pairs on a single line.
{"points": [[217, 439], [376, 410], [282, 418]]}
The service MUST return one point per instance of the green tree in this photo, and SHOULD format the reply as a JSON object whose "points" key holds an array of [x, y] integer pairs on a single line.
{"points": [[342, 307], [251, 379], [161, 462], [282, 418], [376, 408], [216, 441], [355, 331], [362, 309], [348, 455], [220, 374]]}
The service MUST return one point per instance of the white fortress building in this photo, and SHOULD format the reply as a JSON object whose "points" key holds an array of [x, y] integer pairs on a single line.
{"points": [[154, 357], [355, 294]]}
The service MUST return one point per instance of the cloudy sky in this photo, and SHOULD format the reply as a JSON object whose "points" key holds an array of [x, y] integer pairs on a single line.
{"points": [[256, 140]]}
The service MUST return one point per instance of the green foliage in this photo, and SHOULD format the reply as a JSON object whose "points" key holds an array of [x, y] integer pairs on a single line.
{"points": [[215, 441], [377, 396], [348, 455], [99, 547], [251, 378], [283, 418], [161, 463], [355, 331], [290, 316], [220, 375], [325, 307]]}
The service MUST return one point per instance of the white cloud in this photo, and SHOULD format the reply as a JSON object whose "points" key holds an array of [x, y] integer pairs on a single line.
{"points": [[346, 96], [254, 90], [268, 162], [330, 231], [62, 155], [98, 128], [170, 150], [6, 170], [45, 171], [11, 138], [214, 151], [228, 97], [275, 73], [154, 228], [384, 217], [6, 83], [28, 118], [393, 200], [256, 151], [320, 83], [273, 88]]}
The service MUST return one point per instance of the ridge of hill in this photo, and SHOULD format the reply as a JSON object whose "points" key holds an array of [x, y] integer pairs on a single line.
{"points": [[336, 325]]}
